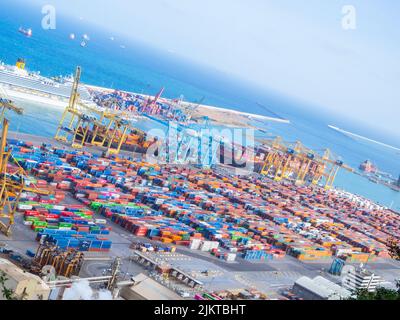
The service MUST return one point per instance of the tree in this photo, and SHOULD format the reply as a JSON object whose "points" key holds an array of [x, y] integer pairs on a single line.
{"points": [[7, 293], [379, 294], [382, 293]]}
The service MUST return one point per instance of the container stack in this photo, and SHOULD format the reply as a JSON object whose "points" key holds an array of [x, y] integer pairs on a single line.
{"points": [[255, 218]]}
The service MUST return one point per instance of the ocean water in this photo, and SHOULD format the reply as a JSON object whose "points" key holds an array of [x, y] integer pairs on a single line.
{"points": [[140, 68]]}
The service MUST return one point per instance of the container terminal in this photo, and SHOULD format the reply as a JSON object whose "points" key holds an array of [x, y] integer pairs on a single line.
{"points": [[88, 207]]}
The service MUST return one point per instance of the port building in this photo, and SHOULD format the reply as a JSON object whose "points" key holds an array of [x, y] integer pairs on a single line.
{"points": [[319, 288], [145, 288], [359, 278], [24, 285]]}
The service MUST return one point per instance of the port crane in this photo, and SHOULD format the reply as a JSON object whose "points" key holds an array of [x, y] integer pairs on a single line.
{"points": [[335, 165], [81, 123], [283, 159], [152, 103], [13, 183], [8, 105], [13, 180]]}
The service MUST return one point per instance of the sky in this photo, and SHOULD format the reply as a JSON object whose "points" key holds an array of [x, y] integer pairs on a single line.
{"points": [[298, 49]]}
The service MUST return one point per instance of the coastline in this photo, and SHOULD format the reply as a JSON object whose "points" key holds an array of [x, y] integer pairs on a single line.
{"points": [[219, 115]]}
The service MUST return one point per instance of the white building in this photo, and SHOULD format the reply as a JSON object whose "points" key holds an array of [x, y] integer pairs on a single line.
{"points": [[359, 278]]}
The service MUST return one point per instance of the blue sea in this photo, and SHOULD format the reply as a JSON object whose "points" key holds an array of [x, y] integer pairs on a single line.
{"points": [[143, 69]]}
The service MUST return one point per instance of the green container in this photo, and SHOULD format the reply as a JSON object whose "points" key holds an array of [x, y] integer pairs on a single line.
{"points": [[186, 237], [39, 223], [65, 225], [31, 219]]}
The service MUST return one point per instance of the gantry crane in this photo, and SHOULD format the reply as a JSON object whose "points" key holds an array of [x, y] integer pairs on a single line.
{"points": [[152, 103], [66, 126], [12, 179], [12, 185], [272, 157], [335, 165], [81, 123], [304, 163], [7, 104], [290, 154]]}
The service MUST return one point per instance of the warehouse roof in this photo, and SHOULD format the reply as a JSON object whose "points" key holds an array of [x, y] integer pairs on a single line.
{"points": [[323, 288], [149, 289]]}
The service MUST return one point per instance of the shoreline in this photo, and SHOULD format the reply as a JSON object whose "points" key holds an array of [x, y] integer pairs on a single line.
{"points": [[206, 108], [222, 116]]}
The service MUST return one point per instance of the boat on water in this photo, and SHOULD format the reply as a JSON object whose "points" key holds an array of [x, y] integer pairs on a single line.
{"points": [[368, 167], [17, 78], [25, 32]]}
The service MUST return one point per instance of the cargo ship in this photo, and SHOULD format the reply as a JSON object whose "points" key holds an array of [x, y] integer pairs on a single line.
{"points": [[17, 78], [368, 167], [25, 32]]}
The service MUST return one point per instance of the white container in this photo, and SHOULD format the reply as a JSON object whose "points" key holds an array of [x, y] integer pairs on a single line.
{"points": [[230, 257], [24, 207], [100, 221], [195, 244]]}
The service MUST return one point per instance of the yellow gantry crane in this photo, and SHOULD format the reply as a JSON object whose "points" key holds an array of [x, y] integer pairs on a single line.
{"points": [[274, 146], [335, 165], [302, 164], [82, 124], [71, 114], [5, 105], [12, 181], [287, 160], [12, 185]]}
